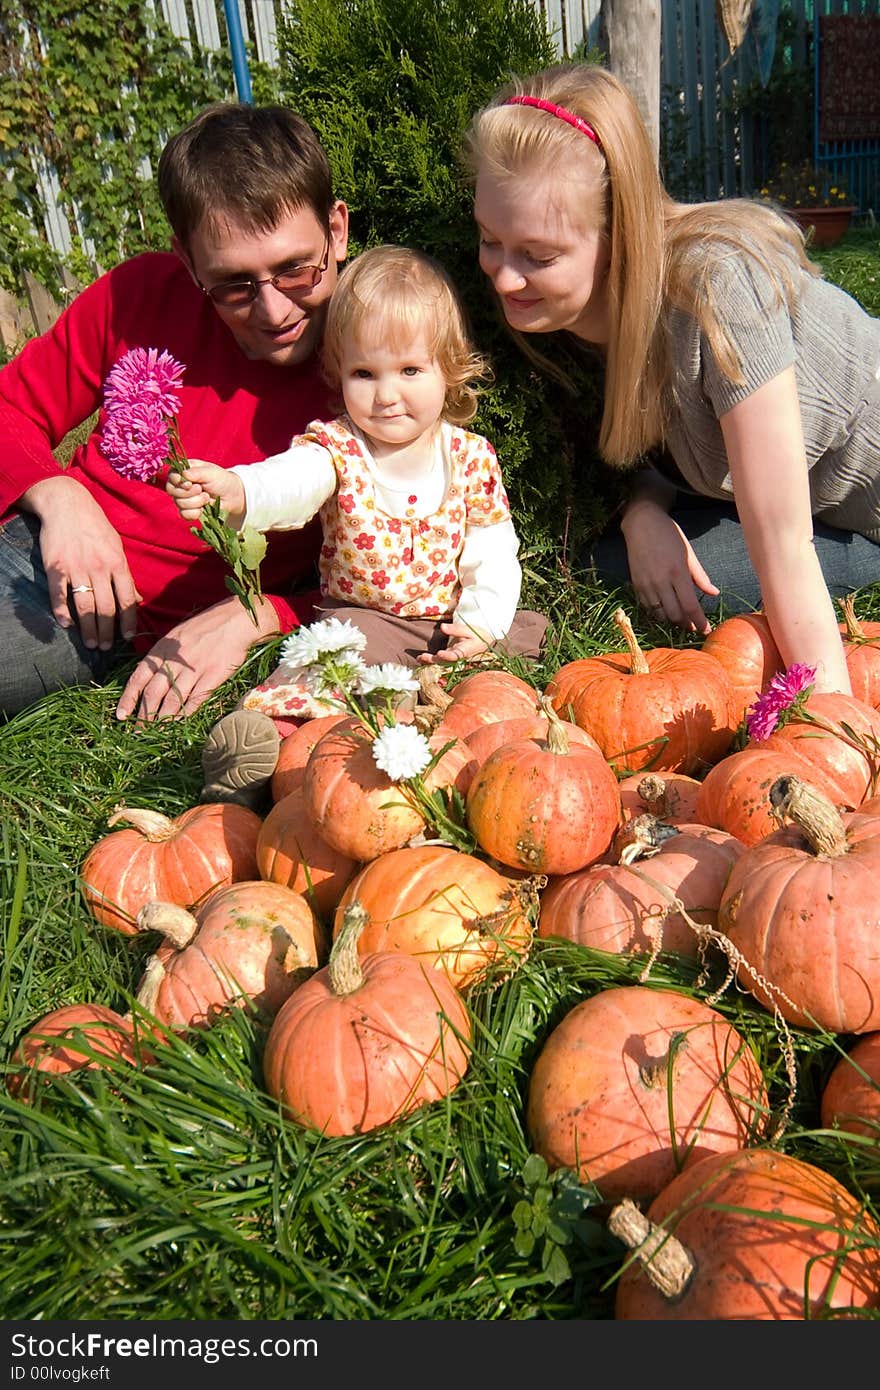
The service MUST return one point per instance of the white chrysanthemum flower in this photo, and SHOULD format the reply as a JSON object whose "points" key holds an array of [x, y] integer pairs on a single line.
{"points": [[297, 651], [333, 637], [401, 751], [308, 645], [388, 679]]}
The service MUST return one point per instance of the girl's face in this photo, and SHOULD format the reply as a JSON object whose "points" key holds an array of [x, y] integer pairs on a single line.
{"points": [[547, 266], [394, 394]]}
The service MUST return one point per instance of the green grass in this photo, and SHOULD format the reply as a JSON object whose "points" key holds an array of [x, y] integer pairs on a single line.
{"points": [[179, 1192]]}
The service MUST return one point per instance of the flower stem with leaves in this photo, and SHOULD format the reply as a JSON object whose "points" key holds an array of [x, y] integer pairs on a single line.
{"points": [[243, 550]]}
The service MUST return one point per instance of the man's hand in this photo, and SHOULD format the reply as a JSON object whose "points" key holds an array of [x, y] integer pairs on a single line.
{"points": [[193, 659], [88, 575], [464, 645], [664, 568]]}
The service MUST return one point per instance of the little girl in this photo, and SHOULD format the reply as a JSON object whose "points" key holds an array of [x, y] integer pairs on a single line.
{"points": [[419, 550]]}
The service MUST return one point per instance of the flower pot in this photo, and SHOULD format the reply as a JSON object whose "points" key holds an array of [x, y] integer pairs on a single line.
{"points": [[828, 224]]}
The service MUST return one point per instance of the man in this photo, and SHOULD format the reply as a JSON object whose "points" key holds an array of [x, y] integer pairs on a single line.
{"points": [[92, 564]]}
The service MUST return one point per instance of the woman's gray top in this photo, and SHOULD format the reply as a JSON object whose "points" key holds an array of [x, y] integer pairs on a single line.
{"points": [[835, 349]]}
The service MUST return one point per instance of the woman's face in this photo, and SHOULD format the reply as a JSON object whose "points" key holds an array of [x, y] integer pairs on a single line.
{"points": [[546, 264]]}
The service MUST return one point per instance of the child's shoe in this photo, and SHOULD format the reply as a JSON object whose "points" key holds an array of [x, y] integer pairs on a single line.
{"points": [[239, 757]]}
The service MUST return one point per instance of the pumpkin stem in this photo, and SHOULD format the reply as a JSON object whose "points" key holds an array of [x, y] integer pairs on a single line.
{"points": [[344, 967], [667, 1263], [432, 692], [148, 989], [854, 630], [174, 922], [817, 818], [640, 837], [655, 1071], [655, 794], [153, 825], [557, 738], [639, 662]]}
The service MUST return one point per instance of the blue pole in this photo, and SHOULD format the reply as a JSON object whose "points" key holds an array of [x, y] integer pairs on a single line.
{"points": [[239, 57]]}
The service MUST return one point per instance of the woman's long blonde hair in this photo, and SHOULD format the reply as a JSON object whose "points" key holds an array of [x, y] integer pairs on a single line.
{"points": [[661, 253]]}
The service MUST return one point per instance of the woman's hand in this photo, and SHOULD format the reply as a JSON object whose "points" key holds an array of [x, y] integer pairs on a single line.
{"points": [[664, 568], [87, 572], [193, 659]]}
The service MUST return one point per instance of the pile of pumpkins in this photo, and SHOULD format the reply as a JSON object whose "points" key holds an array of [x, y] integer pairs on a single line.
{"points": [[611, 810]]}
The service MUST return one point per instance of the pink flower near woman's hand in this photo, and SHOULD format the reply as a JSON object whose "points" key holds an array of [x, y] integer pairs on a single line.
{"points": [[784, 692]]}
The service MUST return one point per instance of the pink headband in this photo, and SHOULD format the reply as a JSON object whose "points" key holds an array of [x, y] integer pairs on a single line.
{"points": [[561, 111]]}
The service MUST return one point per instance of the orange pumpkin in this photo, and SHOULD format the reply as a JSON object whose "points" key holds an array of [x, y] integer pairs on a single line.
{"points": [[294, 753], [72, 1037], [636, 1083], [252, 941], [851, 1095], [456, 913], [665, 709], [750, 1236], [176, 859], [628, 907], [366, 1040], [545, 805], [355, 807], [291, 852], [802, 908], [746, 649], [484, 697]]}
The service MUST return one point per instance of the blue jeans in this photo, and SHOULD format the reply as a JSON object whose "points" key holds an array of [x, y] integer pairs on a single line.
{"points": [[849, 561], [36, 655]]}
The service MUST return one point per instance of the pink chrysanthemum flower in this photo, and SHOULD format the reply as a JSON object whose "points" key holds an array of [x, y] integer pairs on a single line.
{"points": [[782, 694], [793, 682], [140, 401], [135, 440], [141, 375]]}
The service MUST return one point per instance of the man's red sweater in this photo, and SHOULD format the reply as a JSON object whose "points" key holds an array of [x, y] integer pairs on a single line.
{"points": [[233, 410]]}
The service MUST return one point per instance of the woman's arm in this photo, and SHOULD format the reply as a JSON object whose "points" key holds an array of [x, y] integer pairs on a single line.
{"points": [[768, 468]]}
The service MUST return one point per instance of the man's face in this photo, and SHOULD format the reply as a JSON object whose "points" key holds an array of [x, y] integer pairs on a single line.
{"points": [[283, 327]]}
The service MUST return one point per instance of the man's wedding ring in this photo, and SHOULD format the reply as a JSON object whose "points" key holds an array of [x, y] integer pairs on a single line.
{"points": [[82, 589]]}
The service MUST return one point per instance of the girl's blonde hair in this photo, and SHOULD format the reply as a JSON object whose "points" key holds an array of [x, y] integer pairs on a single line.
{"points": [[661, 253], [393, 294]]}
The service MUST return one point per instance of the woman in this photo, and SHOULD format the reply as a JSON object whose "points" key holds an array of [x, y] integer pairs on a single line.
{"points": [[724, 350]]}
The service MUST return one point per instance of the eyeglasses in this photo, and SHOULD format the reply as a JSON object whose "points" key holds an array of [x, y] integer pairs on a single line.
{"points": [[238, 294]]}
